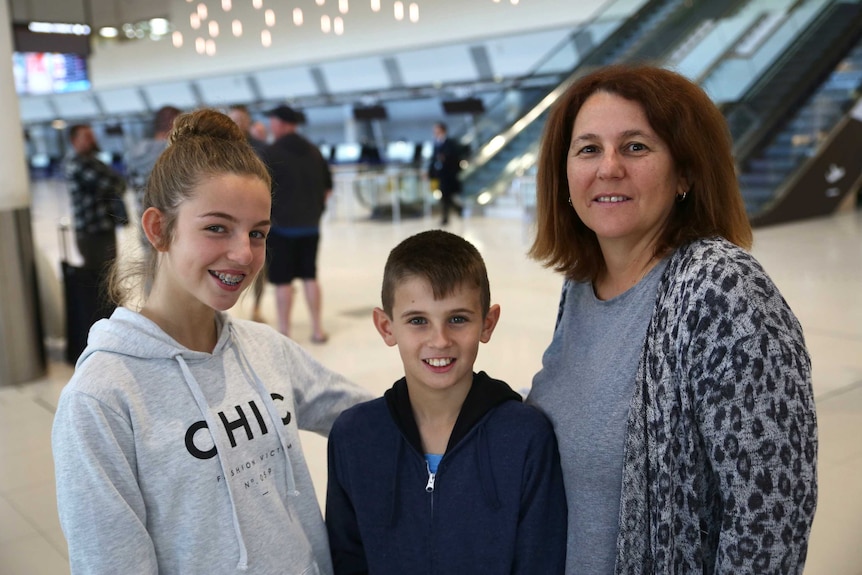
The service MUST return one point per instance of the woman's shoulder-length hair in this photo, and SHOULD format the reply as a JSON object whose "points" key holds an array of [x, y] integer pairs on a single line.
{"points": [[696, 133]]}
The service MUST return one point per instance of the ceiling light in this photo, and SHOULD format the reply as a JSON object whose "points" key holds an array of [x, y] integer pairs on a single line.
{"points": [[59, 28], [159, 26], [108, 32], [331, 22]]}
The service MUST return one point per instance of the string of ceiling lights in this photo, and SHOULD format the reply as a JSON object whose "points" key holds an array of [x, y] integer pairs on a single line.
{"points": [[208, 23]]}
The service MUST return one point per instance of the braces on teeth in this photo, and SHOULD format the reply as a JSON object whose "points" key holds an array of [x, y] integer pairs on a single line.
{"points": [[228, 278]]}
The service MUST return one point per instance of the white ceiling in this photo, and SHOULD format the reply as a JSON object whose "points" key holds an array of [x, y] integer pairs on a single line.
{"points": [[133, 78], [325, 84]]}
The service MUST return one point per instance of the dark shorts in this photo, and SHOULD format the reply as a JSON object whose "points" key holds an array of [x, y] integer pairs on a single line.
{"points": [[292, 257]]}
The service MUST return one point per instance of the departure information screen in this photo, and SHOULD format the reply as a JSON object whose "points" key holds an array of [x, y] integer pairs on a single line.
{"points": [[49, 73]]}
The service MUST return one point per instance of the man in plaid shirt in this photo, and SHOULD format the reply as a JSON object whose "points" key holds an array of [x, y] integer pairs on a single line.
{"points": [[96, 192]]}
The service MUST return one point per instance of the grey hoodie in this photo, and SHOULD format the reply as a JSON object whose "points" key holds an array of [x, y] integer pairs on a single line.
{"points": [[144, 484], [140, 160]]}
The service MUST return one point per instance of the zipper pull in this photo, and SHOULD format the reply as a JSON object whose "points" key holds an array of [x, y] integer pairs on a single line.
{"points": [[429, 487]]}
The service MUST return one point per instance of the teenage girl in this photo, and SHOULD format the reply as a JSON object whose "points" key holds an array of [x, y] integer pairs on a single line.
{"points": [[176, 442]]}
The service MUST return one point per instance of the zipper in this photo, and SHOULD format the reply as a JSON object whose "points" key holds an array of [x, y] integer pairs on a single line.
{"points": [[429, 487]]}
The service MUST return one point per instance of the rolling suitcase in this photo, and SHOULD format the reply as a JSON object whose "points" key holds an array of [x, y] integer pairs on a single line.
{"points": [[84, 298]]}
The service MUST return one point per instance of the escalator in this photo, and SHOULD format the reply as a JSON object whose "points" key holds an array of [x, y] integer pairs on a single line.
{"points": [[785, 118], [649, 36], [813, 163]]}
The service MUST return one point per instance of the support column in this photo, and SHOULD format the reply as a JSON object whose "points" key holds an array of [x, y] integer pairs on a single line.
{"points": [[22, 352]]}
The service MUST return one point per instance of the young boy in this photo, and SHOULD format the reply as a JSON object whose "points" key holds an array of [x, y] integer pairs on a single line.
{"points": [[448, 472]]}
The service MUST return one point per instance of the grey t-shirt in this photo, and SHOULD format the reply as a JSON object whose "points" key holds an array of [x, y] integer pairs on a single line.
{"points": [[585, 387]]}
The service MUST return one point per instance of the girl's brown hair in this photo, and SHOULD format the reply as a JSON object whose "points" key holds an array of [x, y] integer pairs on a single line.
{"points": [[203, 144], [696, 133]]}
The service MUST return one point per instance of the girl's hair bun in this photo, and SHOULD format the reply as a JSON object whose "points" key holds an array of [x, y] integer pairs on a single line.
{"points": [[205, 123]]}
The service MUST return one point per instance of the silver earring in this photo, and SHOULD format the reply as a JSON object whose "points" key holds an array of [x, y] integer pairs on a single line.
{"points": [[681, 197], [570, 200]]}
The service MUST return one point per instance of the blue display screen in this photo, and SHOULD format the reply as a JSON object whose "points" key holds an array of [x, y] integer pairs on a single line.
{"points": [[49, 73]]}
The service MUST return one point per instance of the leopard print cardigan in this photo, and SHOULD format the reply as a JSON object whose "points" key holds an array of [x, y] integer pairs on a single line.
{"points": [[720, 457]]}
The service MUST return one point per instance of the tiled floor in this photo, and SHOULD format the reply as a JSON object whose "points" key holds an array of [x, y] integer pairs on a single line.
{"points": [[816, 264]]}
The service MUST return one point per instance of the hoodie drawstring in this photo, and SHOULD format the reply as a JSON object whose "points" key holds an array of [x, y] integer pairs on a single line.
{"points": [[195, 389], [273, 415]]}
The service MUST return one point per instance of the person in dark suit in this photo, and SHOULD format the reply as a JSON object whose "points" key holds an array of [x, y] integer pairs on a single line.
{"points": [[445, 165]]}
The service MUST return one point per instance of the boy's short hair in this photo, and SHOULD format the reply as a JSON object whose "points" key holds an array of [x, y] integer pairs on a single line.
{"points": [[445, 260]]}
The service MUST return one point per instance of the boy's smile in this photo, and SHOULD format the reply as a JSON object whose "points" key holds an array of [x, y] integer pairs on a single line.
{"points": [[438, 340]]}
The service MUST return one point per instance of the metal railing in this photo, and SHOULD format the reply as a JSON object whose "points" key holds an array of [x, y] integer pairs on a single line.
{"points": [[390, 193]]}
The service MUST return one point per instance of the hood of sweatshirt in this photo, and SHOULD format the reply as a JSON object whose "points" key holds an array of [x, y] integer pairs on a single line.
{"points": [[131, 334], [485, 394]]}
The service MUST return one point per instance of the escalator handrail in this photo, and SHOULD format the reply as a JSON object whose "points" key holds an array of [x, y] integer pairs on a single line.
{"points": [[763, 124], [468, 139], [488, 149]]}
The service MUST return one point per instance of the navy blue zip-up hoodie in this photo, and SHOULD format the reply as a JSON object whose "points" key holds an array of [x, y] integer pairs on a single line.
{"points": [[497, 504]]}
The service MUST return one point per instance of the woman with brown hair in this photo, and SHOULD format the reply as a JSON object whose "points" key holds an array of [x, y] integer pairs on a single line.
{"points": [[677, 379]]}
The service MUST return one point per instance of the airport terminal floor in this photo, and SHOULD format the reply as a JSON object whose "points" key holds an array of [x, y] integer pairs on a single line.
{"points": [[817, 265]]}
